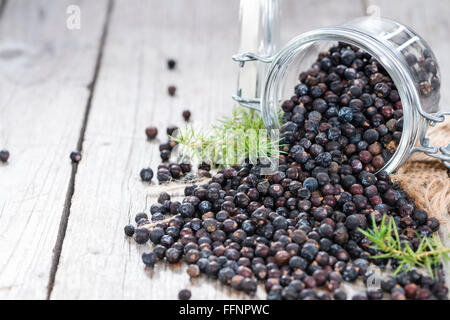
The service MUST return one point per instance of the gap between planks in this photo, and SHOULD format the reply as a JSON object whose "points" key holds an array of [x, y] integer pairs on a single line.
{"points": [[71, 187], [2, 7]]}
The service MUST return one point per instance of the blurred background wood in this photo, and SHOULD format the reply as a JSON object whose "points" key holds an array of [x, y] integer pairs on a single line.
{"points": [[45, 101], [45, 70]]}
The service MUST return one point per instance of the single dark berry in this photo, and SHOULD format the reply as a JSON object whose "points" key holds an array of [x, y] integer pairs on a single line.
{"points": [[171, 90], [129, 230], [141, 235], [4, 156], [193, 271], [433, 223], [186, 210], [146, 174], [139, 216], [388, 283], [352, 222], [249, 286], [160, 251], [423, 294], [165, 155], [176, 171], [156, 234], [225, 275], [420, 216], [370, 136], [149, 259], [345, 115], [192, 256], [309, 251], [171, 63], [339, 294], [350, 274], [382, 90], [374, 294], [163, 175], [173, 255], [171, 129], [411, 290], [348, 56], [440, 291], [75, 156], [276, 190], [299, 237], [411, 59], [311, 184], [184, 294], [151, 132], [186, 115]]}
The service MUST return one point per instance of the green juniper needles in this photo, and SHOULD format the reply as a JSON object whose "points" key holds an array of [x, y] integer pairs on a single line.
{"points": [[429, 254], [235, 138]]}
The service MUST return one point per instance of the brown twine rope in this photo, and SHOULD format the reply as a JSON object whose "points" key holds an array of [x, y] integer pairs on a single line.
{"points": [[427, 180]]}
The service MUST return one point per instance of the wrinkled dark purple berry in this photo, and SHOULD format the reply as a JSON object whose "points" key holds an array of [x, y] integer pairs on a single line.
{"points": [[146, 174], [171, 90], [149, 259], [141, 235], [186, 115], [75, 156], [151, 132], [171, 63], [129, 230], [4, 155], [165, 155], [184, 294]]}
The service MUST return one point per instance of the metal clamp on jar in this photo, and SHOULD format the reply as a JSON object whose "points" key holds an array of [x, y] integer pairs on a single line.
{"points": [[403, 53]]}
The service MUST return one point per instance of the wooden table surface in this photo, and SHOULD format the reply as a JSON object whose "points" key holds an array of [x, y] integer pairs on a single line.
{"points": [[96, 89]]}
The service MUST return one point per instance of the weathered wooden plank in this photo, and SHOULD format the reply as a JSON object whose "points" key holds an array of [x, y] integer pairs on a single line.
{"points": [[430, 20], [97, 261], [45, 70]]}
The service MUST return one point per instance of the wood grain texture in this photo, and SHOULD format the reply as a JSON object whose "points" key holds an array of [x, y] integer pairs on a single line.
{"points": [[97, 261], [45, 69]]}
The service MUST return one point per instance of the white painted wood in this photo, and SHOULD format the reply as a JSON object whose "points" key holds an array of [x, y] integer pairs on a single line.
{"points": [[44, 73], [97, 261]]}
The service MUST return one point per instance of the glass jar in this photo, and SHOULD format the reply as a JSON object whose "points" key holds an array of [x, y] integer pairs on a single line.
{"points": [[407, 58]]}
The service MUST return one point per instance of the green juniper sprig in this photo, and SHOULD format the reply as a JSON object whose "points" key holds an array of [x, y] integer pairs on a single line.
{"points": [[429, 254], [216, 146]]}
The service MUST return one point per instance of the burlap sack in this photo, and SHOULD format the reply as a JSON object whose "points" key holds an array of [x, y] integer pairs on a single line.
{"points": [[427, 180]]}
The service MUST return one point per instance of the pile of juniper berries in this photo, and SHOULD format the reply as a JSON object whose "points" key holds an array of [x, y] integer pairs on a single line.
{"points": [[296, 230]]}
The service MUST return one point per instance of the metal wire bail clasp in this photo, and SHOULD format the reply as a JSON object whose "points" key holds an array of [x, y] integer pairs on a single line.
{"points": [[259, 36], [441, 153], [255, 102]]}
